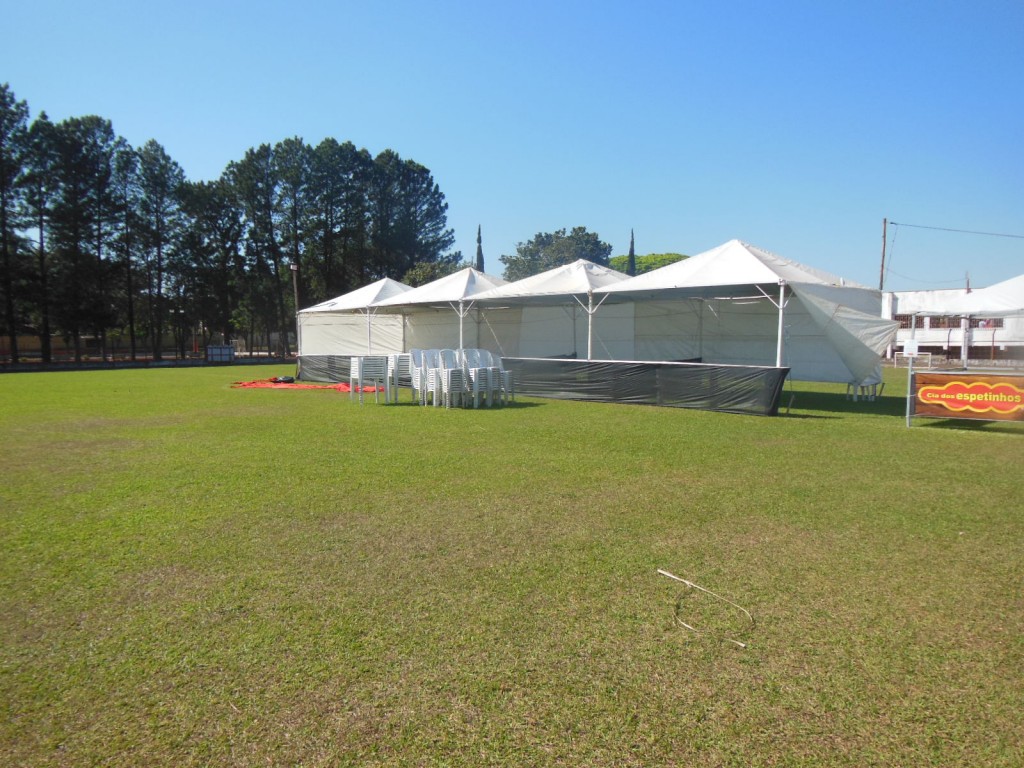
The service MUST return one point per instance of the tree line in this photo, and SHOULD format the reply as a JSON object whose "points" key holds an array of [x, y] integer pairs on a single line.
{"points": [[103, 240], [547, 250]]}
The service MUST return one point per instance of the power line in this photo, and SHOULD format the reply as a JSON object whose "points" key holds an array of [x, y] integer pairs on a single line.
{"points": [[892, 248], [887, 252], [921, 280], [961, 231]]}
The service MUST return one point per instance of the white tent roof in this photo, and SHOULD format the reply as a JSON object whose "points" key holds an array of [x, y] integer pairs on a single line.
{"points": [[999, 300], [361, 298], [578, 278], [846, 313], [731, 264], [827, 329], [459, 286]]}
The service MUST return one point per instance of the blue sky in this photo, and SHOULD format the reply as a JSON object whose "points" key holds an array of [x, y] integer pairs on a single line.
{"points": [[796, 126]]}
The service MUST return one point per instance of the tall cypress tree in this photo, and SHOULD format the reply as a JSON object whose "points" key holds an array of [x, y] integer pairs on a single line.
{"points": [[479, 251], [631, 264]]}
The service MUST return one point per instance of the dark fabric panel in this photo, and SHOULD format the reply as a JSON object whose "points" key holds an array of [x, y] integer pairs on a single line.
{"points": [[735, 389], [329, 368]]}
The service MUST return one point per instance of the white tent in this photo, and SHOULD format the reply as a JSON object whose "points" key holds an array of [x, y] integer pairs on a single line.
{"points": [[1003, 300], [1000, 300], [735, 304], [433, 305], [739, 304], [539, 314], [360, 298], [346, 325]]}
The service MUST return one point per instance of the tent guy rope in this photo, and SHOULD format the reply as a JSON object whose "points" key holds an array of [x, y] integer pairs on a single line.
{"points": [[690, 584]]}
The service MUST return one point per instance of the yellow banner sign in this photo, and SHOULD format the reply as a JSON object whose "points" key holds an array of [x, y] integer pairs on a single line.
{"points": [[990, 397]]}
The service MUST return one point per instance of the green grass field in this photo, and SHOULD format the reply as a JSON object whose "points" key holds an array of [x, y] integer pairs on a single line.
{"points": [[196, 575]]}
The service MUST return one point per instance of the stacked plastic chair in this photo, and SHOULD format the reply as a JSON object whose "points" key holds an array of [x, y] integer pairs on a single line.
{"points": [[371, 370], [501, 383], [476, 375], [453, 379], [399, 372], [418, 375], [431, 376]]}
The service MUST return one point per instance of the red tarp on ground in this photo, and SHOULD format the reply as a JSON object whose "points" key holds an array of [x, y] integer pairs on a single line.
{"points": [[274, 384]]}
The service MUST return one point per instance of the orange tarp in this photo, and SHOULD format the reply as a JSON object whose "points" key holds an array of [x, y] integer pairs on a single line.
{"points": [[274, 384]]}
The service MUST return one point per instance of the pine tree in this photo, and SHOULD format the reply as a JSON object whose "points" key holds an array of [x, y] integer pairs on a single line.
{"points": [[13, 134], [40, 191], [83, 226], [161, 181]]}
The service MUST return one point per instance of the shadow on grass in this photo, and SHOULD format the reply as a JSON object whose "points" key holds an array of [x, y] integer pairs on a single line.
{"points": [[969, 425], [507, 406], [832, 405], [837, 403]]}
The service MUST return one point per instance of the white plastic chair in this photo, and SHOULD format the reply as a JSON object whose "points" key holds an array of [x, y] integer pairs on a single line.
{"points": [[431, 381], [371, 370], [453, 379], [502, 383], [476, 375], [418, 373], [868, 389], [399, 371]]}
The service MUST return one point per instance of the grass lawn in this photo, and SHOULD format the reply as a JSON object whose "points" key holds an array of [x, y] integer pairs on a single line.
{"points": [[196, 575]]}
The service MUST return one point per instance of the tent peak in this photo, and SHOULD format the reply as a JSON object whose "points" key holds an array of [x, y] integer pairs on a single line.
{"points": [[362, 297], [458, 286], [733, 263], [575, 278]]}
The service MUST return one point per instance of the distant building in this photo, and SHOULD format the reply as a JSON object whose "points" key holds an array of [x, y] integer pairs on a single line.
{"points": [[930, 319]]}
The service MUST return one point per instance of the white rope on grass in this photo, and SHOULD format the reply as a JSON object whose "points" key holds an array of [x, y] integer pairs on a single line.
{"points": [[709, 592]]}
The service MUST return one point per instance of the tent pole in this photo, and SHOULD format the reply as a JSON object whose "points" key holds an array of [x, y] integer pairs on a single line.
{"points": [[782, 308], [369, 343], [700, 329], [590, 325], [574, 327], [462, 314]]}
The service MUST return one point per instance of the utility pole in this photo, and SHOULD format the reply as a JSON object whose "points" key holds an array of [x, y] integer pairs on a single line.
{"points": [[881, 274], [295, 284], [295, 289]]}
